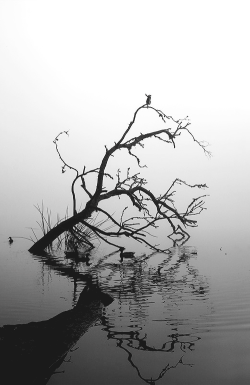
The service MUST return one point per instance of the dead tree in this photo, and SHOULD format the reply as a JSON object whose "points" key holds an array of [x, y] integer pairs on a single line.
{"points": [[151, 209]]}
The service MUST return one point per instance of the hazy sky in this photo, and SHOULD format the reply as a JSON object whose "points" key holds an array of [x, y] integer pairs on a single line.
{"points": [[86, 66]]}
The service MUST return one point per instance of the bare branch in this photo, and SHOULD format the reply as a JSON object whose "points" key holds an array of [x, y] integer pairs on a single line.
{"points": [[65, 165], [152, 209]]}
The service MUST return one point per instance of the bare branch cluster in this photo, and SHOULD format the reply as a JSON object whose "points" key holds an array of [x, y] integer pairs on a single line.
{"points": [[152, 210]]}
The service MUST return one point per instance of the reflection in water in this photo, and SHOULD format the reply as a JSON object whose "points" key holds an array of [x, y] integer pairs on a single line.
{"points": [[36, 348], [155, 297], [66, 267], [166, 324]]}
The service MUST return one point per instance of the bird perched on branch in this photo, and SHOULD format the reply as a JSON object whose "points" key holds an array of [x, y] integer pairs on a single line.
{"points": [[148, 101], [10, 240]]}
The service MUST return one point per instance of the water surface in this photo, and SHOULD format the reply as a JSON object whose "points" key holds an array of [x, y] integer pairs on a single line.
{"points": [[176, 318]]}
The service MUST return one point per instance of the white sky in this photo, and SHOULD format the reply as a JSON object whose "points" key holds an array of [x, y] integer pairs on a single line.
{"points": [[86, 66]]}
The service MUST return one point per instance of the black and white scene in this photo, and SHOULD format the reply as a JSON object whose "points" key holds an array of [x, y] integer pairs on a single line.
{"points": [[124, 235]]}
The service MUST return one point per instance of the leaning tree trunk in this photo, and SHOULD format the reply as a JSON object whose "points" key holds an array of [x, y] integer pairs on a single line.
{"points": [[59, 229]]}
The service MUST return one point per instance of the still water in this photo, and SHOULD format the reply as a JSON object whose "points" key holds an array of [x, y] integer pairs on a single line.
{"points": [[178, 318]]}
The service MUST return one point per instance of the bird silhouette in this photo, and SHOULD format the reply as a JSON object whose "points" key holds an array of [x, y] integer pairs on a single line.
{"points": [[126, 254], [10, 240], [148, 101]]}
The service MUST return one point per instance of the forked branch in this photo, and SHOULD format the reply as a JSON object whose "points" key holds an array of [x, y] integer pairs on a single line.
{"points": [[151, 209]]}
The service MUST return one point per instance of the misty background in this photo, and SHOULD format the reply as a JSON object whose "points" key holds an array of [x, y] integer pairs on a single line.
{"points": [[86, 66]]}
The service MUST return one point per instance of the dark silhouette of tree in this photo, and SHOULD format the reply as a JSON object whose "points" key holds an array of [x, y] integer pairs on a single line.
{"points": [[36, 349], [152, 209]]}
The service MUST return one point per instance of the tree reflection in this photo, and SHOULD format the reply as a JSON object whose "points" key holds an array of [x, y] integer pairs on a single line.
{"points": [[157, 300], [163, 371]]}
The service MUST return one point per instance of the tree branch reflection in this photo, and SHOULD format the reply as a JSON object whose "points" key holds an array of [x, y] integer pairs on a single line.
{"points": [[156, 302], [157, 299]]}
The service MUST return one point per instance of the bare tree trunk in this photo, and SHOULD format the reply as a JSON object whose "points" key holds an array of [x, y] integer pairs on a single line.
{"points": [[59, 229]]}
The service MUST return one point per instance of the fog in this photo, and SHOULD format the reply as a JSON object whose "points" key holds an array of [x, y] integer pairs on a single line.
{"points": [[86, 66]]}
